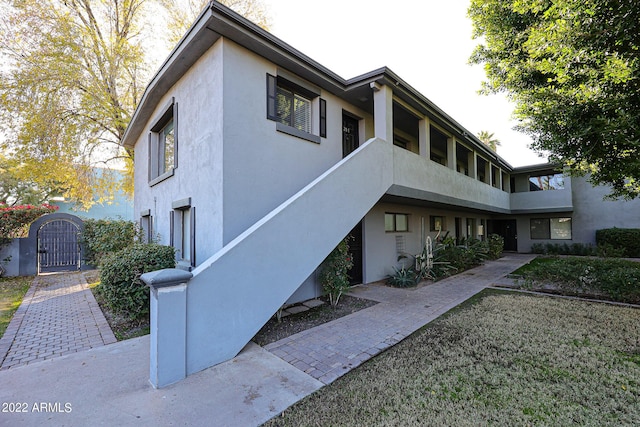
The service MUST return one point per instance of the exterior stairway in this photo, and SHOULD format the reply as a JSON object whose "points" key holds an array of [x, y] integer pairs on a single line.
{"points": [[235, 292]]}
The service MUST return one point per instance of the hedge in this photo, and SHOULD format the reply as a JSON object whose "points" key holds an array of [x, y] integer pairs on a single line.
{"points": [[101, 237], [120, 277], [621, 238]]}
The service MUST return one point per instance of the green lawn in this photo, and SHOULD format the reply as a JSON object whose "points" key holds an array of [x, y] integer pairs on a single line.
{"points": [[505, 359], [12, 290]]}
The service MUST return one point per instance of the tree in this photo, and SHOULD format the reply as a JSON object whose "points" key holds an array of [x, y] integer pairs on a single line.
{"points": [[15, 190], [182, 13], [572, 67], [15, 220], [75, 71], [488, 139], [73, 74]]}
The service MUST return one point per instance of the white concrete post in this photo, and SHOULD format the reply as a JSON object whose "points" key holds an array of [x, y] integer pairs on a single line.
{"points": [[451, 154], [382, 111], [168, 353], [424, 138]]}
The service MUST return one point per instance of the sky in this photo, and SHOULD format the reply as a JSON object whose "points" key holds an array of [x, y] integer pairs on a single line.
{"points": [[427, 43]]}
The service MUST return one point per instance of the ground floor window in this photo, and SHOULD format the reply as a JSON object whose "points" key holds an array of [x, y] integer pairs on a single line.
{"points": [[183, 231], [551, 228], [396, 222], [436, 223]]}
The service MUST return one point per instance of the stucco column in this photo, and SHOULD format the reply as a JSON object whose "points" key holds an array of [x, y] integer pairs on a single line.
{"points": [[472, 165], [168, 353], [451, 154], [382, 111], [424, 138]]}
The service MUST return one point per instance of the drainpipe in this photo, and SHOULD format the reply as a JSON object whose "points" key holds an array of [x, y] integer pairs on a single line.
{"points": [[168, 351]]}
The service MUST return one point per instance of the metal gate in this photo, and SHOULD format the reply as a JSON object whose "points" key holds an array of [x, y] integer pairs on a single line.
{"points": [[58, 246]]}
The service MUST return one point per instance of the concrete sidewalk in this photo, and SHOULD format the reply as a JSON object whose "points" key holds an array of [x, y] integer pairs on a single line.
{"points": [[109, 385]]}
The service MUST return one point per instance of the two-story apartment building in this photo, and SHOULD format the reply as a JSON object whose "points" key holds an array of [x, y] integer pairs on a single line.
{"points": [[254, 161]]}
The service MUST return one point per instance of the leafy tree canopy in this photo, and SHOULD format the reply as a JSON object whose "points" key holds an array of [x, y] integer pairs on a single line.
{"points": [[72, 74], [572, 67], [488, 139]]}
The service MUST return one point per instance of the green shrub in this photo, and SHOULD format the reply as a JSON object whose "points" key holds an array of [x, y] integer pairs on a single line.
{"points": [[616, 279], [609, 251], [101, 237], [621, 238], [334, 275], [403, 277], [579, 249], [496, 246], [120, 277]]}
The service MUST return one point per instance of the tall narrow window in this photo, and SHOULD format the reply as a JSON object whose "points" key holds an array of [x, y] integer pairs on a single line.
{"points": [[163, 145], [146, 226], [183, 236]]}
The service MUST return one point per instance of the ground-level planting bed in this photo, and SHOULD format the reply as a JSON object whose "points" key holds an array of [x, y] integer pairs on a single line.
{"points": [[276, 330], [502, 359]]}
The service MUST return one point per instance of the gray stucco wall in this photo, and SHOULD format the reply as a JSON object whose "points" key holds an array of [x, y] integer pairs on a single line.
{"points": [[382, 248], [199, 173], [262, 166], [592, 212]]}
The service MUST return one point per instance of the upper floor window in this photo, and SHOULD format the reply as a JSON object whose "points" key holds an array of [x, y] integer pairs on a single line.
{"points": [[546, 182], [291, 105], [163, 144]]}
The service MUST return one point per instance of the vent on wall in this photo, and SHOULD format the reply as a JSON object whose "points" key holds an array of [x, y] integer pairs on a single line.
{"points": [[400, 244]]}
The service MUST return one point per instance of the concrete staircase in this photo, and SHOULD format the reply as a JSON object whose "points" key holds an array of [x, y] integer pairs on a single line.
{"points": [[235, 292]]}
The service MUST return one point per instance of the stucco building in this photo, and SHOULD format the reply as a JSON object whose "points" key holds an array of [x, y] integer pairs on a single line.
{"points": [[254, 161]]}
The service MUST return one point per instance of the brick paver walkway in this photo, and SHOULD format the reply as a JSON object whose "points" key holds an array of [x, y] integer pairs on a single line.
{"points": [[58, 316], [329, 351]]}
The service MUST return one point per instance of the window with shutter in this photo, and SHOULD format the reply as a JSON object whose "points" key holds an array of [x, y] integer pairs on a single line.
{"points": [[292, 106]]}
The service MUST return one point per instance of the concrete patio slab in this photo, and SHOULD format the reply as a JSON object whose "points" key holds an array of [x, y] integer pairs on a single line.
{"points": [[109, 386]]}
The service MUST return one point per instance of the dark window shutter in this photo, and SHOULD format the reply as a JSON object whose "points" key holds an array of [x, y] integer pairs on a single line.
{"points": [[175, 135], [171, 228], [192, 235], [271, 97], [323, 118], [149, 166]]}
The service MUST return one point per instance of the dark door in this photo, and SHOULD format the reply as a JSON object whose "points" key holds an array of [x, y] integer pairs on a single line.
{"points": [[58, 247], [350, 139], [510, 235], [355, 247], [506, 228]]}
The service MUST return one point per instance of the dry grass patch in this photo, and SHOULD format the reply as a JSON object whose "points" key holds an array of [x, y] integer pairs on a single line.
{"points": [[12, 290], [504, 360]]}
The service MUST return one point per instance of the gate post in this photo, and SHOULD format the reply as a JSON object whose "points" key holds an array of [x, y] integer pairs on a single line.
{"points": [[168, 315]]}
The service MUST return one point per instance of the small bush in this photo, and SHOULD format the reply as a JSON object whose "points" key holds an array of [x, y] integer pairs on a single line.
{"points": [[335, 271], [621, 238], [120, 277], [496, 246], [101, 237], [403, 278]]}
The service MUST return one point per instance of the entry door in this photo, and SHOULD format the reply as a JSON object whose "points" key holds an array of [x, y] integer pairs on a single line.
{"points": [[510, 233], [355, 247], [58, 247], [350, 139]]}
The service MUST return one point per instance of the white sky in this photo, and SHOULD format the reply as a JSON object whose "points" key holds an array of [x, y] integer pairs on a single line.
{"points": [[426, 42]]}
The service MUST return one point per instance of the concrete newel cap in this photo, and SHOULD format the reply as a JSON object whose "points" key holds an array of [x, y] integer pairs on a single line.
{"points": [[167, 277]]}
